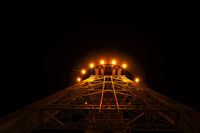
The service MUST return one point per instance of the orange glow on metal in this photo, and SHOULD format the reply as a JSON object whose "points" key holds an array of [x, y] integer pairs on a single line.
{"points": [[83, 71], [113, 62], [91, 65], [137, 80], [78, 79], [102, 62], [124, 66]]}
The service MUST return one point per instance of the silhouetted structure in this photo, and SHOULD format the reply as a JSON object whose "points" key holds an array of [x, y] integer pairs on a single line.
{"points": [[107, 101]]}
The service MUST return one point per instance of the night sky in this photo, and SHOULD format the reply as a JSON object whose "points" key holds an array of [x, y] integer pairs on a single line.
{"points": [[44, 44]]}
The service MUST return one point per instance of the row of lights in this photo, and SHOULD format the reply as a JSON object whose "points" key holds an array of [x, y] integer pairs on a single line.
{"points": [[136, 79], [102, 62], [113, 62]]}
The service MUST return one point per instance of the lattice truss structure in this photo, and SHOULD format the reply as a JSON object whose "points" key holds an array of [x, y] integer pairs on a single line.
{"points": [[108, 102]]}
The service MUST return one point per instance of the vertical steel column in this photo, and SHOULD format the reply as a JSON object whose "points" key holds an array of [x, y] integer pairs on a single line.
{"points": [[102, 92], [116, 100]]}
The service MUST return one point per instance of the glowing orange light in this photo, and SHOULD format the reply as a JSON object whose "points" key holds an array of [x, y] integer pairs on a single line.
{"points": [[137, 80], [91, 65], [102, 62], [113, 62], [78, 79], [124, 66], [83, 71]]}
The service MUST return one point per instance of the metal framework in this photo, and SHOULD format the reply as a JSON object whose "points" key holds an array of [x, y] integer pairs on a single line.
{"points": [[104, 103], [108, 102]]}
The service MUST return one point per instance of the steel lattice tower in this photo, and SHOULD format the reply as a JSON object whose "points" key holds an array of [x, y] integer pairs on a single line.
{"points": [[105, 101]]}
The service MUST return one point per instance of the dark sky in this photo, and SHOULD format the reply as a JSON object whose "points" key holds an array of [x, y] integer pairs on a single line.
{"points": [[43, 44]]}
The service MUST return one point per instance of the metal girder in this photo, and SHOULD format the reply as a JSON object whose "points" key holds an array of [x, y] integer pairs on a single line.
{"points": [[109, 102], [114, 120]]}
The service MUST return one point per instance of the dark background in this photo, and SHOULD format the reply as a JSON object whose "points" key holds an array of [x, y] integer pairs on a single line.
{"points": [[43, 44]]}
